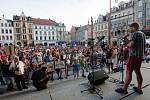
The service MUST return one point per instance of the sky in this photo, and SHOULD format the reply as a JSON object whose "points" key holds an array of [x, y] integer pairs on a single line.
{"points": [[69, 12]]}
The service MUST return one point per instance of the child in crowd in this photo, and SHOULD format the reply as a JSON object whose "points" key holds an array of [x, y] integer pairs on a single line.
{"points": [[76, 68]]}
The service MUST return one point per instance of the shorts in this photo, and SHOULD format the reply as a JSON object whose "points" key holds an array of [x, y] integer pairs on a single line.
{"points": [[109, 62], [133, 63]]}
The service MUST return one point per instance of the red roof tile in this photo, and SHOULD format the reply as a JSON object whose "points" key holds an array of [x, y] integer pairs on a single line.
{"points": [[43, 21]]}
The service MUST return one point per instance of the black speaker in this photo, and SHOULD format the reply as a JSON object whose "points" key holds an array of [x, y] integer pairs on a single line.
{"points": [[99, 77]]}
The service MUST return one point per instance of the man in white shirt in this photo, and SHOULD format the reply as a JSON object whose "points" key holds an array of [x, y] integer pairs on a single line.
{"points": [[18, 67]]}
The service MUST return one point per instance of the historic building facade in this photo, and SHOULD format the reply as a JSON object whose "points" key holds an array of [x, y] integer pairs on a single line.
{"points": [[121, 17], [48, 32], [6, 32], [23, 30], [101, 27], [142, 13]]}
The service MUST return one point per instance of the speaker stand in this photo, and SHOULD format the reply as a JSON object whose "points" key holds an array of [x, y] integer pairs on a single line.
{"points": [[94, 90]]}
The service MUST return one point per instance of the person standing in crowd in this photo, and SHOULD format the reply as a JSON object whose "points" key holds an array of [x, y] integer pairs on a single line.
{"points": [[109, 61], [67, 65], [18, 66], [7, 74], [76, 67], [59, 67], [82, 64], [1, 75], [136, 46]]}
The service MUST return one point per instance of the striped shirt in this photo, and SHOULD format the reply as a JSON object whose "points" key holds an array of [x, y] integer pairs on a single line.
{"points": [[139, 40]]}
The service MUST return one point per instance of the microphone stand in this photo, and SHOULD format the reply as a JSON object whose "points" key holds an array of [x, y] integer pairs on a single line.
{"points": [[91, 87]]}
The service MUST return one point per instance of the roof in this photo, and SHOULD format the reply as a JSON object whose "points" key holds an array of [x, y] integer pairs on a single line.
{"points": [[39, 21]]}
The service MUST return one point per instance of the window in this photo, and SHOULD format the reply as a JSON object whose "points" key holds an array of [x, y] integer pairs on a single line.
{"points": [[30, 25], [17, 25], [35, 27], [140, 3], [0, 37], [44, 32], [2, 24], [24, 37], [102, 27], [30, 36], [18, 37], [9, 25], [52, 32], [98, 27], [5, 24], [7, 38], [45, 37], [115, 16], [36, 32], [52, 28], [10, 37], [140, 15], [6, 31], [36, 37], [111, 17], [40, 32], [24, 30], [53, 38], [123, 14], [148, 12], [49, 33], [40, 27], [49, 38], [3, 38], [17, 30], [44, 27], [10, 31], [30, 30], [2, 30], [40, 37], [24, 25]]}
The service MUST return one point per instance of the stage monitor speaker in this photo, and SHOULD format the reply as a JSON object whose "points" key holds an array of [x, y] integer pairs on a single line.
{"points": [[99, 77]]}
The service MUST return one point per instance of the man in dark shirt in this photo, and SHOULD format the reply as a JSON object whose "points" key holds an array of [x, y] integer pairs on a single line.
{"points": [[40, 78], [136, 48]]}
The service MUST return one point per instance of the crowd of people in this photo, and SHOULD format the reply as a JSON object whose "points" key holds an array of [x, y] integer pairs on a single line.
{"points": [[40, 63], [28, 63]]}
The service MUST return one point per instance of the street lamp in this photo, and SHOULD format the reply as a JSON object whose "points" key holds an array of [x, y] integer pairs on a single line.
{"points": [[109, 24], [144, 18]]}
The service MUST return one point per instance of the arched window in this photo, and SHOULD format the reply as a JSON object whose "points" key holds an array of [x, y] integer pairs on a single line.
{"points": [[10, 31], [6, 31]]}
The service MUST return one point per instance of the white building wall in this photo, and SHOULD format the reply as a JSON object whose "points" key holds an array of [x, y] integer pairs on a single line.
{"points": [[44, 34], [6, 37]]}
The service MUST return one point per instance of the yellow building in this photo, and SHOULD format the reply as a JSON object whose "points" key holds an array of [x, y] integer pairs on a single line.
{"points": [[23, 30]]}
